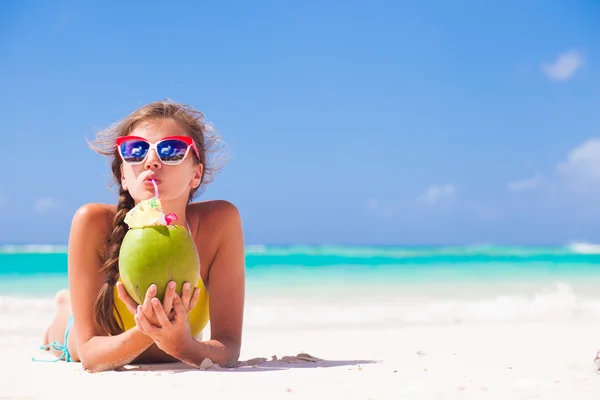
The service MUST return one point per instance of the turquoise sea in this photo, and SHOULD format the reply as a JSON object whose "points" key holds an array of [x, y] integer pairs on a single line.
{"points": [[408, 284], [41, 270]]}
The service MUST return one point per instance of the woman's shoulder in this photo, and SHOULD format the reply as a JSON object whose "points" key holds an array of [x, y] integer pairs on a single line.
{"points": [[96, 212], [214, 209], [214, 214], [217, 229], [96, 217]]}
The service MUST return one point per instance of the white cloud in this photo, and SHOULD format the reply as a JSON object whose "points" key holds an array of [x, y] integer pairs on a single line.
{"points": [[45, 204], [523, 185], [582, 164], [564, 66], [435, 193]]}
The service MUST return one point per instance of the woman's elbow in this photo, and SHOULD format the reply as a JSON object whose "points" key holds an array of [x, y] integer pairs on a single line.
{"points": [[94, 367], [90, 365], [232, 359], [231, 355]]}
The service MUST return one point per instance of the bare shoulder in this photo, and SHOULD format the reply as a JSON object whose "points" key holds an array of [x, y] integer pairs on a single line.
{"points": [[215, 209], [216, 217], [218, 228], [95, 212], [94, 220]]}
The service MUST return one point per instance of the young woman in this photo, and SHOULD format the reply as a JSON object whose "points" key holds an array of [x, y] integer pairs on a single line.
{"points": [[97, 323]]}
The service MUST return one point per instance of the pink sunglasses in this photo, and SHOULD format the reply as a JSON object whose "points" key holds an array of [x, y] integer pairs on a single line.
{"points": [[171, 150]]}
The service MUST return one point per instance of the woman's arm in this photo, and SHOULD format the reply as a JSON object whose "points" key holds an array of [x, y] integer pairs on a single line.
{"points": [[227, 292], [90, 228], [102, 353]]}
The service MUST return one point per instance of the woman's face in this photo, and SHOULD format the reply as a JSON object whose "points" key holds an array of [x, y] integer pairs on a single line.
{"points": [[174, 181]]}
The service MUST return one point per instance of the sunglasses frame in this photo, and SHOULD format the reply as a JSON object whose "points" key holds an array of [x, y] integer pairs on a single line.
{"points": [[186, 139]]}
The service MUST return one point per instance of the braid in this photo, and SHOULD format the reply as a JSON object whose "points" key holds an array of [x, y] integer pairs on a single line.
{"points": [[105, 303]]}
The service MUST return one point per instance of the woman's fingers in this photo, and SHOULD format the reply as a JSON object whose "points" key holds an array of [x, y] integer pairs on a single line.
{"points": [[194, 300], [180, 311], [169, 293], [126, 298], [163, 319], [147, 308], [188, 300], [185, 294], [189, 297], [144, 324]]}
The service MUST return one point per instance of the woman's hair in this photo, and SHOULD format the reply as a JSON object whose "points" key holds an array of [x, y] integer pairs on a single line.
{"points": [[207, 142]]}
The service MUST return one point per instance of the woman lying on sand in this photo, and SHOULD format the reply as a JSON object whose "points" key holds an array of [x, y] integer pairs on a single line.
{"points": [[97, 323]]}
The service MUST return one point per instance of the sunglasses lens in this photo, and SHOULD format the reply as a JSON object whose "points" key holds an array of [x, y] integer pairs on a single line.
{"points": [[134, 150], [172, 150]]}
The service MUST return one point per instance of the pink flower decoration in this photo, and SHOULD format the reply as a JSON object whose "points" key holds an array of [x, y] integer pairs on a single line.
{"points": [[170, 217]]}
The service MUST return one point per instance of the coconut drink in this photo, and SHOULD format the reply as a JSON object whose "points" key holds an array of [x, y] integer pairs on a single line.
{"points": [[155, 251]]}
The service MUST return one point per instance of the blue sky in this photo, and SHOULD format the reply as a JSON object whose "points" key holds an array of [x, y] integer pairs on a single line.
{"points": [[348, 122]]}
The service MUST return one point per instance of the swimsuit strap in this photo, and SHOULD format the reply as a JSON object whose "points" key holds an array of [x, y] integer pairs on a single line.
{"points": [[59, 346], [56, 346]]}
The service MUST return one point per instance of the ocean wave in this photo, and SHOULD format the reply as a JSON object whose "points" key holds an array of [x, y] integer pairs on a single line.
{"points": [[584, 248], [364, 251], [32, 249], [412, 252], [558, 304]]}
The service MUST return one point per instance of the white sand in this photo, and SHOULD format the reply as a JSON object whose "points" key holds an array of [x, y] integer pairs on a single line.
{"points": [[379, 345], [503, 360]]}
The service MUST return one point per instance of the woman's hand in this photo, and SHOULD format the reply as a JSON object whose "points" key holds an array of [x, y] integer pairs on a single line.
{"points": [[146, 306], [171, 335], [189, 301]]}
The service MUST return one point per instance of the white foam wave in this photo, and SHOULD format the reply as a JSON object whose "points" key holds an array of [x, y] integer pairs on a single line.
{"points": [[401, 252], [364, 251], [29, 317], [560, 303], [256, 249], [32, 248], [584, 248]]}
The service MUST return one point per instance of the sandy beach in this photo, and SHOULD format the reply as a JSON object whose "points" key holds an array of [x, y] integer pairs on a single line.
{"points": [[461, 360]]}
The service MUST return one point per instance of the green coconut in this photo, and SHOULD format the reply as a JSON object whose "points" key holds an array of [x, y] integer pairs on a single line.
{"points": [[157, 254]]}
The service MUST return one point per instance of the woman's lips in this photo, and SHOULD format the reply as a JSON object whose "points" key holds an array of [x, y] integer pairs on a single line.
{"points": [[148, 182]]}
